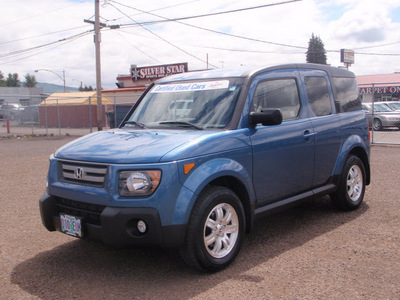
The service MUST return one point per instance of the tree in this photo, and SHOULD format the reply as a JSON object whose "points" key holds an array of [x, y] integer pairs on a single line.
{"points": [[86, 88], [13, 80], [30, 81], [316, 51], [3, 82]]}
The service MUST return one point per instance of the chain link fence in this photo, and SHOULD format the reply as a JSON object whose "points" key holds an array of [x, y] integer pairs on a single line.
{"points": [[76, 113], [381, 105], [62, 114]]}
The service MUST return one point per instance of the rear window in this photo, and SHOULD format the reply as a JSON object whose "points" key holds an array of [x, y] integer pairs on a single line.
{"points": [[347, 96], [318, 95]]}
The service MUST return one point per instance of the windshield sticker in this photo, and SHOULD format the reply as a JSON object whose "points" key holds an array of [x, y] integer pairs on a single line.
{"points": [[194, 86]]}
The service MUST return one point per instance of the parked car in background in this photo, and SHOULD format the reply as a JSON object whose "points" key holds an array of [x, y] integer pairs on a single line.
{"points": [[9, 111], [381, 116], [395, 105], [28, 115]]}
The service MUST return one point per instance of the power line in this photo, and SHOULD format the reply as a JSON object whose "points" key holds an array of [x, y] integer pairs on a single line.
{"points": [[44, 34], [380, 54], [138, 49], [55, 44], [10, 54], [41, 14], [377, 46], [161, 38], [203, 15], [178, 20], [161, 8]]}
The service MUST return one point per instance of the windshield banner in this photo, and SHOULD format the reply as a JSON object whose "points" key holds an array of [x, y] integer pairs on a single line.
{"points": [[193, 86]]}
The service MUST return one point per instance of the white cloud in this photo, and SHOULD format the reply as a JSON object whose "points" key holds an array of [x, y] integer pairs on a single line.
{"points": [[339, 23]]}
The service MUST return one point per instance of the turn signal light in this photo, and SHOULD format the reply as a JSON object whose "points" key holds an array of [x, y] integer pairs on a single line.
{"points": [[188, 167]]}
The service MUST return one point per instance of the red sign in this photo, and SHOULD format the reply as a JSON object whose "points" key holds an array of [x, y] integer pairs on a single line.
{"points": [[380, 90], [154, 72]]}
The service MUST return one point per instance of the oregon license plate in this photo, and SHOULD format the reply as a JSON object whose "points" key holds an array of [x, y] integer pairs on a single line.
{"points": [[71, 225]]}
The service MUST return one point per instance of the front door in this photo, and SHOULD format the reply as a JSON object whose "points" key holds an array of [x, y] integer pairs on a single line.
{"points": [[283, 155]]}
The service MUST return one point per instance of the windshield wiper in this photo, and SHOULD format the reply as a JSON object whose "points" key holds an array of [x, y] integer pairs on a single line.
{"points": [[141, 125], [181, 123]]}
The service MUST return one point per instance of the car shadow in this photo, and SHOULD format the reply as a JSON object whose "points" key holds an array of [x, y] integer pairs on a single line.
{"points": [[80, 269]]}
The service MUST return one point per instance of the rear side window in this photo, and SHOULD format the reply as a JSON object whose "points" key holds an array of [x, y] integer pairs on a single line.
{"points": [[347, 94], [278, 93], [318, 95]]}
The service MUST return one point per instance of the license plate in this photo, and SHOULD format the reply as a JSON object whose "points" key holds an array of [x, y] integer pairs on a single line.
{"points": [[71, 225]]}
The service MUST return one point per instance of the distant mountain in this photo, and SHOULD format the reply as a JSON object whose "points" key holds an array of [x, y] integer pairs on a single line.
{"points": [[49, 88]]}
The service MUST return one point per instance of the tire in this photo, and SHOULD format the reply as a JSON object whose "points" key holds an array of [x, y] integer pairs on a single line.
{"points": [[377, 125], [215, 231], [351, 189]]}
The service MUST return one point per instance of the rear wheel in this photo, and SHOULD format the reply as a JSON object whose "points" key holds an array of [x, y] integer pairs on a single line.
{"points": [[215, 230], [350, 192]]}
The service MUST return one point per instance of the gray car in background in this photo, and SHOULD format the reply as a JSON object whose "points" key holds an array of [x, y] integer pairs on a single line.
{"points": [[381, 116]]}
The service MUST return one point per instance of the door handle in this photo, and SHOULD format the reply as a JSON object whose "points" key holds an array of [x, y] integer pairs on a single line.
{"points": [[308, 135]]}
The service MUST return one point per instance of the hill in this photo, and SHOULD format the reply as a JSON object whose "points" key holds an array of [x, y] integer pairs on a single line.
{"points": [[49, 88]]}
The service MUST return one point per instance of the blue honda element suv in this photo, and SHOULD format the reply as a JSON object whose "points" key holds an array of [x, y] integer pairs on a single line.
{"points": [[201, 154]]}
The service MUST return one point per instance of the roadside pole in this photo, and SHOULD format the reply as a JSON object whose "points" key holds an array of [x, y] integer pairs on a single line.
{"points": [[97, 40]]}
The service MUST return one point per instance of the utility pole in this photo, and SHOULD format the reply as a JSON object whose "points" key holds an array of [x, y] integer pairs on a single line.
{"points": [[97, 40]]}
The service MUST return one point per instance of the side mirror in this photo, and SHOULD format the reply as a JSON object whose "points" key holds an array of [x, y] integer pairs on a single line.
{"points": [[267, 117]]}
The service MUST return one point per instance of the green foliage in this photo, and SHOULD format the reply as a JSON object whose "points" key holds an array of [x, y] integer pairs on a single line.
{"points": [[316, 51], [86, 88], [13, 80], [3, 82], [30, 81]]}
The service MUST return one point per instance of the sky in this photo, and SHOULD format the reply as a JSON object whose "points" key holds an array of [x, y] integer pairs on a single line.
{"points": [[51, 35]]}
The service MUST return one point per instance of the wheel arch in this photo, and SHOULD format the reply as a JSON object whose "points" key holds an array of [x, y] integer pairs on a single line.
{"points": [[362, 154], [240, 190], [354, 145], [227, 173]]}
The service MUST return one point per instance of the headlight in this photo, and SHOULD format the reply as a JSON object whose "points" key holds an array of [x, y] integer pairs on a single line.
{"points": [[138, 183]]}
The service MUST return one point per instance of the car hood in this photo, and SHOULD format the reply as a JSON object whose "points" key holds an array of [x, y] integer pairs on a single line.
{"points": [[127, 146]]}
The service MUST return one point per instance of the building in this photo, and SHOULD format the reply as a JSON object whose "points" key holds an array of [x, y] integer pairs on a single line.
{"points": [[131, 86], [385, 87], [22, 96], [72, 109]]}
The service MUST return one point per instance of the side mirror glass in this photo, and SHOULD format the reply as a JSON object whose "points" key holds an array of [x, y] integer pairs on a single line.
{"points": [[267, 117]]}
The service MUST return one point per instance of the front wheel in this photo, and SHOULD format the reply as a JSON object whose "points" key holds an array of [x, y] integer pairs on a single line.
{"points": [[215, 231], [377, 125], [351, 189]]}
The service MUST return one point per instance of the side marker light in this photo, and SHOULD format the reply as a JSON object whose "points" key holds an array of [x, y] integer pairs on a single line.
{"points": [[188, 167]]}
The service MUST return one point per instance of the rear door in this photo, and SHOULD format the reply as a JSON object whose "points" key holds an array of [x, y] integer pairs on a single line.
{"points": [[325, 122]]}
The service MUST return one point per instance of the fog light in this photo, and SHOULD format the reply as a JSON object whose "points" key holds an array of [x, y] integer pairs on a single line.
{"points": [[141, 226]]}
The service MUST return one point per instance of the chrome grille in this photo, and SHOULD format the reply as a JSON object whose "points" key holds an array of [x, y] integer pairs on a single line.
{"points": [[83, 173]]}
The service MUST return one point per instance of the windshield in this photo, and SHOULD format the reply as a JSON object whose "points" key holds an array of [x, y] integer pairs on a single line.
{"points": [[382, 108], [194, 104], [395, 106]]}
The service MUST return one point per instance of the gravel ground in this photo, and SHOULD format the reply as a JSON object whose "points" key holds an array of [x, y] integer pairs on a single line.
{"points": [[309, 252]]}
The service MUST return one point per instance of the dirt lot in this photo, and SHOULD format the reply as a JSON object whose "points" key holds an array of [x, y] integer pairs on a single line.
{"points": [[309, 252]]}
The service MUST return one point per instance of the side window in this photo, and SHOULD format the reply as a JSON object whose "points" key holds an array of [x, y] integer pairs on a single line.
{"points": [[318, 95], [278, 93], [347, 94]]}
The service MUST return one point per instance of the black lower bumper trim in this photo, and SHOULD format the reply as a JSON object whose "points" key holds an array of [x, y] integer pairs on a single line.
{"points": [[118, 226]]}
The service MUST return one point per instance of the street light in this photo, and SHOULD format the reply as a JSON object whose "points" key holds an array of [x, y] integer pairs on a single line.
{"points": [[62, 78]]}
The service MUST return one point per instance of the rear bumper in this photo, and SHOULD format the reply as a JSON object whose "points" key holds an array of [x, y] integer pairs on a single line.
{"points": [[117, 226]]}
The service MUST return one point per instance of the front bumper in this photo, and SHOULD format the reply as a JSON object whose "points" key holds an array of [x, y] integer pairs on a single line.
{"points": [[115, 226]]}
